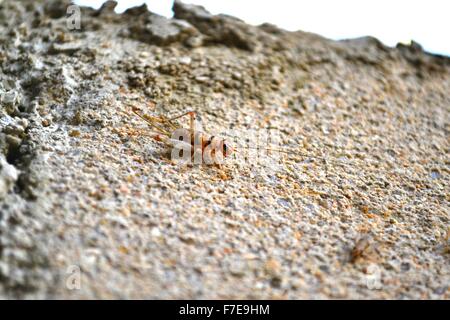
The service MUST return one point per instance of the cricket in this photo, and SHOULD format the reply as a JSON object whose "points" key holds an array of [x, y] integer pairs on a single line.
{"points": [[187, 144], [194, 146]]}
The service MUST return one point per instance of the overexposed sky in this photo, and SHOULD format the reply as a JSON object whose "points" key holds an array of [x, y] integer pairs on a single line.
{"points": [[392, 21]]}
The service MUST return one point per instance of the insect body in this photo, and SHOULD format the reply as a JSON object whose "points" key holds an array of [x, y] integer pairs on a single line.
{"points": [[192, 146], [188, 144], [364, 247]]}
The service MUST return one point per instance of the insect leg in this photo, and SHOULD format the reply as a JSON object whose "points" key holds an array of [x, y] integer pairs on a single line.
{"points": [[151, 123], [191, 114]]}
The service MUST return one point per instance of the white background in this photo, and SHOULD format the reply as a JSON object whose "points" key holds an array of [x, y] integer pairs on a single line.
{"points": [[391, 21]]}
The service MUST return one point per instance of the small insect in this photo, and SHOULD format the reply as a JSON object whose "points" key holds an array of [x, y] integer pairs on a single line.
{"points": [[189, 144], [364, 247], [199, 146]]}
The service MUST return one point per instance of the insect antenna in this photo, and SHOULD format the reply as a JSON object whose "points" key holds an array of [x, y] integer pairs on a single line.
{"points": [[285, 150], [336, 162], [294, 152]]}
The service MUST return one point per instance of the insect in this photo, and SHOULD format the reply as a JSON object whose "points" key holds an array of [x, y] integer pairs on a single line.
{"points": [[364, 246], [198, 147], [187, 143], [192, 146]]}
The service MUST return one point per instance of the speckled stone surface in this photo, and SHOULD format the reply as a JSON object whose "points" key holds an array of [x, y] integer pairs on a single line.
{"points": [[92, 207]]}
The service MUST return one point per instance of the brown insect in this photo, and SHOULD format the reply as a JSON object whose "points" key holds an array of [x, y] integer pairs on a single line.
{"points": [[364, 247], [204, 148], [209, 149]]}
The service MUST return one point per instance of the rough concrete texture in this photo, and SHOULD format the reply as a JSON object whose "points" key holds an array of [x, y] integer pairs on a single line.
{"points": [[85, 187]]}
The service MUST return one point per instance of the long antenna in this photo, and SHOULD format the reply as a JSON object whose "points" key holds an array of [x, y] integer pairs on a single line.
{"points": [[294, 152]]}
